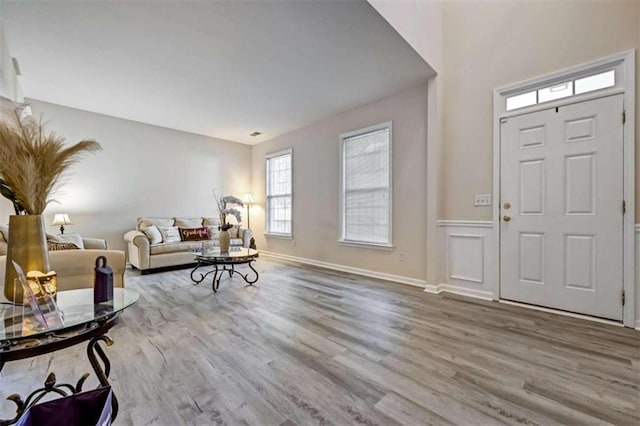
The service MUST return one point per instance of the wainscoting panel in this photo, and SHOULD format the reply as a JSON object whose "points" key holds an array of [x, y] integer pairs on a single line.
{"points": [[467, 263], [465, 257]]}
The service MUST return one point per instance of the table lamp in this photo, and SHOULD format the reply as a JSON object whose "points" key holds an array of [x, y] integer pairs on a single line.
{"points": [[61, 219]]}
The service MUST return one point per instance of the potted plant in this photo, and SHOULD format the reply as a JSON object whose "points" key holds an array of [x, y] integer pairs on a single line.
{"points": [[32, 163], [224, 210]]}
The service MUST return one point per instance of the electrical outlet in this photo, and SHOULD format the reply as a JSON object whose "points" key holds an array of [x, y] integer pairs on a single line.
{"points": [[482, 200], [402, 256]]}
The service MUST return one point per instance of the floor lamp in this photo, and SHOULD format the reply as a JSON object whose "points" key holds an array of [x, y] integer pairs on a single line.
{"points": [[248, 200]]}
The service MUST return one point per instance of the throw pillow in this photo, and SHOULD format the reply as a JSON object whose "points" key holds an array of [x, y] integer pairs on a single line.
{"points": [[182, 222], [143, 222], [214, 232], [194, 234], [53, 246], [233, 232], [152, 233], [211, 221], [170, 234], [72, 238]]}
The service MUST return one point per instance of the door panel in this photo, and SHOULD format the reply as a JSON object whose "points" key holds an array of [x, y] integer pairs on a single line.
{"points": [[562, 177]]}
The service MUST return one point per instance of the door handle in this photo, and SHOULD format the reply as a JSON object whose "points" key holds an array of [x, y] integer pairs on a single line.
{"points": [[506, 218]]}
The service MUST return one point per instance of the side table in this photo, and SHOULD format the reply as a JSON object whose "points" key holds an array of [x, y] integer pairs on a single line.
{"points": [[83, 321], [225, 261]]}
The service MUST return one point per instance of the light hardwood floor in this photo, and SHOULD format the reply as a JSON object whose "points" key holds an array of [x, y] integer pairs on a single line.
{"points": [[310, 346]]}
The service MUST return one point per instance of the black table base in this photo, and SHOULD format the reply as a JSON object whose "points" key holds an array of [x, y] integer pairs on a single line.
{"points": [[219, 268], [97, 358]]}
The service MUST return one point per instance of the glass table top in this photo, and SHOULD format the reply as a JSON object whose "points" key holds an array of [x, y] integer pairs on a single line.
{"points": [[233, 253], [77, 309]]}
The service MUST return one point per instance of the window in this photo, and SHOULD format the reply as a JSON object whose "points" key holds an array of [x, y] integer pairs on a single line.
{"points": [[557, 91], [366, 186], [279, 197], [596, 82], [574, 87], [521, 101]]}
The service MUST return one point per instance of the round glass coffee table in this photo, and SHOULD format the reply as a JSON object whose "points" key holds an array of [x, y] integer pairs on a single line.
{"points": [[23, 336], [225, 262]]}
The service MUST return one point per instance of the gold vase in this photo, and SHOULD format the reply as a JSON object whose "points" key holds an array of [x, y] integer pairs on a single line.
{"points": [[28, 248], [224, 239]]}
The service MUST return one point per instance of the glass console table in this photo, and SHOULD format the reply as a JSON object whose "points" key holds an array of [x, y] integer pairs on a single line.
{"points": [[21, 336]]}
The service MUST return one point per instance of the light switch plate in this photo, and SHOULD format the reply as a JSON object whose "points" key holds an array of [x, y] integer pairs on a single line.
{"points": [[482, 200]]}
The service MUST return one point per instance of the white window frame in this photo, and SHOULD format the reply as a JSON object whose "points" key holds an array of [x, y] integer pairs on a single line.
{"points": [[343, 137], [269, 156]]}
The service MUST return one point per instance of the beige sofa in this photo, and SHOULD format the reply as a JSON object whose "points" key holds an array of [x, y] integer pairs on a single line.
{"points": [[75, 268], [153, 257]]}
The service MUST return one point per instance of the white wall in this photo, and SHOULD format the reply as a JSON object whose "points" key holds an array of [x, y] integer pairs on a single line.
{"points": [[9, 84], [419, 22], [143, 170], [316, 153]]}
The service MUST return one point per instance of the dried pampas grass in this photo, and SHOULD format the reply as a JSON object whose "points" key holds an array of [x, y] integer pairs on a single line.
{"points": [[33, 162]]}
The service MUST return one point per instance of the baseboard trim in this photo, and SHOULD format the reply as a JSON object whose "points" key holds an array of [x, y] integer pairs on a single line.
{"points": [[349, 269], [466, 223], [462, 291]]}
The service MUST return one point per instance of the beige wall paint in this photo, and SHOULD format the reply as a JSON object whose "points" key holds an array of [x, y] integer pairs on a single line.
{"points": [[143, 170], [489, 44], [419, 22], [316, 153]]}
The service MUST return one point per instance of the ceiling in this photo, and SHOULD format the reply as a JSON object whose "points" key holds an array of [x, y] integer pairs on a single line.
{"points": [[221, 69]]}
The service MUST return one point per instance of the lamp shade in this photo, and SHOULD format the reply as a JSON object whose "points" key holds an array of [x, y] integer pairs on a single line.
{"points": [[61, 219], [247, 199]]}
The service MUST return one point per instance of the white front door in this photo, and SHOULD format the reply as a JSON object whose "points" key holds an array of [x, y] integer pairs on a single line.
{"points": [[561, 225]]}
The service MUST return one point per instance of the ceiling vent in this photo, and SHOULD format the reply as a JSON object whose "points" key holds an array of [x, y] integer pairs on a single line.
{"points": [[254, 134]]}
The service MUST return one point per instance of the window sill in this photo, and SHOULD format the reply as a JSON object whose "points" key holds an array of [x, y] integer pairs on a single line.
{"points": [[280, 236], [375, 246]]}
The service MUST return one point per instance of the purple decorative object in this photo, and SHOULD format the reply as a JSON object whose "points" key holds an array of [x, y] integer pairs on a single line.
{"points": [[103, 283]]}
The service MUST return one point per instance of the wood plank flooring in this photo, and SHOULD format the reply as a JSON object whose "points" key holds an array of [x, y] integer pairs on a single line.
{"points": [[310, 346]]}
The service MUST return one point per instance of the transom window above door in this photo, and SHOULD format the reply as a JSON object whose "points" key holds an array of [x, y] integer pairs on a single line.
{"points": [[564, 89]]}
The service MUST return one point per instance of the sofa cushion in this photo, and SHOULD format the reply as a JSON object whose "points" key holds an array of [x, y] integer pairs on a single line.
{"points": [[53, 246], [72, 238], [183, 222], [175, 247], [233, 232], [194, 234], [148, 221], [152, 233], [235, 242], [210, 245], [4, 233], [211, 221], [170, 234]]}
